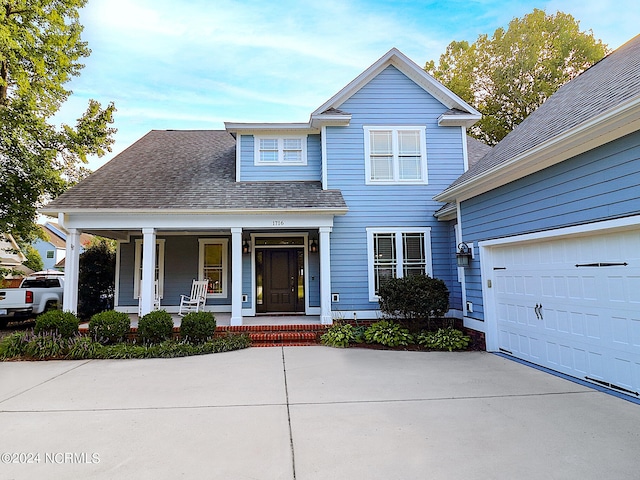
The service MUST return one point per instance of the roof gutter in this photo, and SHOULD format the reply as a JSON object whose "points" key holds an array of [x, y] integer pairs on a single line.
{"points": [[175, 211]]}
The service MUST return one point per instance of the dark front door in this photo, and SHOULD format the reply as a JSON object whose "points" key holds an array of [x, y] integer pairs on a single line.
{"points": [[281, 277]]}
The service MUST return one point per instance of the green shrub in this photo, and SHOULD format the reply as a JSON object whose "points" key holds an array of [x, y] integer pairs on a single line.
{"points": [[198, 327], [388, 333], [338, 335], [109, 327], [229, 342], [58, 322], [444, 339], [14, 345], [96, 277], [46, 345], [414, 297], [82, 347], [155, 327]]}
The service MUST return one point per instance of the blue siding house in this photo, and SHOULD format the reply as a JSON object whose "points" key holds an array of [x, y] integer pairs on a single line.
{"points": [[552, 214], [308, 218], [302, 218]]}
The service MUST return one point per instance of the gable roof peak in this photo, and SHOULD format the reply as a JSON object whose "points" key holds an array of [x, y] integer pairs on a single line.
{"points": [[413, 71]]}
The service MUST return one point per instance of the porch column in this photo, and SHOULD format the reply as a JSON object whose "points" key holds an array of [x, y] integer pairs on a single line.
{"points": [[71, 269], [325, 276], [148, 289], [236, 276]]}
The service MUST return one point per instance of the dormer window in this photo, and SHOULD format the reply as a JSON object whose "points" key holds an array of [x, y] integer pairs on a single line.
{"points": [[289, 150]]}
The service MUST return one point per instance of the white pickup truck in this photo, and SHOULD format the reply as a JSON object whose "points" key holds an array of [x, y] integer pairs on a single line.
{"points": [[38, 292]]}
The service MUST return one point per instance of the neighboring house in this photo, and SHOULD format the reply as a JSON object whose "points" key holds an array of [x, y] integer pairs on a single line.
{"points": [[53, 249], [553, 215], [300, 218], [11, 257]]}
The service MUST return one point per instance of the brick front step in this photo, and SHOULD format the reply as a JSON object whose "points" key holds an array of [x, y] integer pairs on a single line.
{"points": [[278, 335]]}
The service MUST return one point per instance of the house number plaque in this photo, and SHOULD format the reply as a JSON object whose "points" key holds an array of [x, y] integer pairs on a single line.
{"points": [[278, 223]]}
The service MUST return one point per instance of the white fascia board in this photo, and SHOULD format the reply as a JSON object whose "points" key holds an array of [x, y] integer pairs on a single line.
{"points": [[248, 128], [340, 120], [399, 60], [231, 211], [609, 126], [458, 120], [449, 213], [182, 222]]}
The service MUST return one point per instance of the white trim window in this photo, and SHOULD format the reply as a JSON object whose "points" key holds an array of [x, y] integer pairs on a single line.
{"points": [[159, 276], [212, 265], [395, 155], [396, 253], [289, 150]]}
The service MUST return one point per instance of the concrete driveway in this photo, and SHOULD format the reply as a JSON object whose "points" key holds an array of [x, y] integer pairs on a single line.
{"points": [[310, 413]]}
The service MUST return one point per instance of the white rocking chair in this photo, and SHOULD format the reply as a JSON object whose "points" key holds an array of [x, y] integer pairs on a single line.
{"points": [[156, 298], [194, 302]]}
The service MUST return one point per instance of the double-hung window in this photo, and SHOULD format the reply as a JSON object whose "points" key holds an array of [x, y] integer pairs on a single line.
{"points": [[395, 155], [281, 150], [213, 265], [395, 253]]}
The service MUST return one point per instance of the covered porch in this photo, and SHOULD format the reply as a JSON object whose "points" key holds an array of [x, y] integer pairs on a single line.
{"points": [[271, 270]]}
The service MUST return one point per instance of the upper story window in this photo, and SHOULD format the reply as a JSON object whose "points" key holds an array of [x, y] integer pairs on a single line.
{"points": [[290, 150], [395, 155]]}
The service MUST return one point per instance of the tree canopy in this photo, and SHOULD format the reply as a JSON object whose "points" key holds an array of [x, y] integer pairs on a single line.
{"points": [[40, 51], [509, 75]]}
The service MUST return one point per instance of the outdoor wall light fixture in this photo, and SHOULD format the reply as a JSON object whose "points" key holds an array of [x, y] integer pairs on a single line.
{"points": [[313, 246], [246, 247], [463, 255]]}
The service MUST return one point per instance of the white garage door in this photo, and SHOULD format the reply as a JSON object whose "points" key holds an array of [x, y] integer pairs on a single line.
{"points": [[573, 305]]}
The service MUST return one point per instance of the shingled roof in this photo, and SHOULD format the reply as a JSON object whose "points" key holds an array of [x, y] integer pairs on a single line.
{"points": [[606, 85], [190, 170]]}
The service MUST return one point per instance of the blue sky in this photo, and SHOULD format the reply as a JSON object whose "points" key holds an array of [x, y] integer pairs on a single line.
{"points": [[193, 64]]}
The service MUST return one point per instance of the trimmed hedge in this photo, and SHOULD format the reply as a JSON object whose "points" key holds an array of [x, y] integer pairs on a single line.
{"points": [[198, 327], [57, 322], [109, 327], [155, 327], [414, 297]]}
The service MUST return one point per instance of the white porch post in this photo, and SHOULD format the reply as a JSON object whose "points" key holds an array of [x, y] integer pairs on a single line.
{"points": [[236, 276], [71, 268], [147, 289], [325, 276]]}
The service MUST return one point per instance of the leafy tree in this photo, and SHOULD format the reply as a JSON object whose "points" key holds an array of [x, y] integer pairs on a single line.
{"points": [[508, 76], [40, 51], [96, 279], [34, 260]]}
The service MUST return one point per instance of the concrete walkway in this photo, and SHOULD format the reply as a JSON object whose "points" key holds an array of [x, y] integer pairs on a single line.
{"points": [[310, 413]]}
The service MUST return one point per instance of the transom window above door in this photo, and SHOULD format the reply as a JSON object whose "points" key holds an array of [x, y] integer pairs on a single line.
{"points": [[290, 150], [395, 155]]}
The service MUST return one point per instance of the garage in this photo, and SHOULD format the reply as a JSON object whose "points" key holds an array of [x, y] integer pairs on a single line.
{"points": [[570, 303]]}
